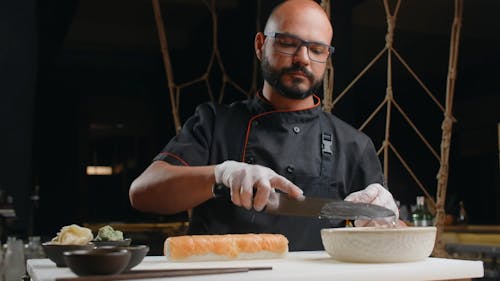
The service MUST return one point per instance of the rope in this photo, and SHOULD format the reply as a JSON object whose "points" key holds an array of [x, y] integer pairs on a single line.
{"points": [[432, 203], [389, 97], [215, 57], [328, 88], [255, 63], [391, 25], [390, 101], [329, 71], [446, 127], [391, 22], [369, 119], [442, 177], [389, 37], [417, 131], [367, 67], [422, 84], [167, 64]]}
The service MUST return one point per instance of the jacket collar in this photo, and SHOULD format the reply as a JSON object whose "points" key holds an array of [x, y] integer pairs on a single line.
{"points": [[259, 105]]}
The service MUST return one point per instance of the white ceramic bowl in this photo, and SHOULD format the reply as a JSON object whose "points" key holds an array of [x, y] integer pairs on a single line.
{"points": [[379, 244]]}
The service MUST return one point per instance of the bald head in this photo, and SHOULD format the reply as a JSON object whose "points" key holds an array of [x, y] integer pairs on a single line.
{"points": [[304, 18], [291, 72]]}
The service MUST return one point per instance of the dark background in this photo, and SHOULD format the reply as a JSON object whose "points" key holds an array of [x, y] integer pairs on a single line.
{"points": [[83, 83]]}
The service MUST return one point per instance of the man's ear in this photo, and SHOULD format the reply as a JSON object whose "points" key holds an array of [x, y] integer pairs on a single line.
{"points": [[259, 44]]}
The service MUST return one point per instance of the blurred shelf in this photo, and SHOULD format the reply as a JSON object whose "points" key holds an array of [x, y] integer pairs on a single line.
{"points": [[472, 234], [475, 242], [473, 228]]}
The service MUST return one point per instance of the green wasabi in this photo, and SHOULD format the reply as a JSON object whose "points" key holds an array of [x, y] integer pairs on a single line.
{"points": [[107, 233]]}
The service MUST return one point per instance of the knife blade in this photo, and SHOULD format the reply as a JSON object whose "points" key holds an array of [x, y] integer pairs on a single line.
{"points": [[281, 204], [325, 208]]}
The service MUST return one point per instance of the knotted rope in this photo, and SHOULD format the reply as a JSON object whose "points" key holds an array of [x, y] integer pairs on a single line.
{"points": [[446, 127]]}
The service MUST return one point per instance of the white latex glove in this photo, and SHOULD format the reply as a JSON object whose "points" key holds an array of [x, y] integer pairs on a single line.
{"points": [[243, 178], [375, 194]]}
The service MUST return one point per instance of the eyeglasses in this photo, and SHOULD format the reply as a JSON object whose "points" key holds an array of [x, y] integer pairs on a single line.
{"points": [[289, 44]]}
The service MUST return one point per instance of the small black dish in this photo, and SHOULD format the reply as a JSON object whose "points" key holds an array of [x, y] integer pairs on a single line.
{"points": [[97, 261], [55, 251], [138, 252]]}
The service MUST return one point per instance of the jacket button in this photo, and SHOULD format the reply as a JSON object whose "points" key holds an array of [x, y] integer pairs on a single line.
{"points": [[289, 169], [296, 129], [250, 160]]}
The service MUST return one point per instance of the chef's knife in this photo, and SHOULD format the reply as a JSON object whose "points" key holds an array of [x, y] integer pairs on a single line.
{"points": [[282, 204], [325, 208]]}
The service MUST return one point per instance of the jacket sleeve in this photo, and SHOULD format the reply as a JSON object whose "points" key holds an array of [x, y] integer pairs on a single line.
{"points": [[367, 169], [191, 146]]}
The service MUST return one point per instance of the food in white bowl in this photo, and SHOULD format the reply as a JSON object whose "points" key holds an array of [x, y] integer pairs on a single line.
{"points": [[379, 244]]}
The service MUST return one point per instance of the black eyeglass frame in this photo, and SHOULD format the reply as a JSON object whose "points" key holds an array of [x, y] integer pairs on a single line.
{"points": [[331, 49]]}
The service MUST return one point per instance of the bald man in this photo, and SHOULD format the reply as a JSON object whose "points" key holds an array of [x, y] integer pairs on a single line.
{"points": [[278, 141]]}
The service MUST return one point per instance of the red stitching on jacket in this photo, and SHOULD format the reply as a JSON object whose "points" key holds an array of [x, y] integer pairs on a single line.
{"points": [[269, 112], [176, 157]]}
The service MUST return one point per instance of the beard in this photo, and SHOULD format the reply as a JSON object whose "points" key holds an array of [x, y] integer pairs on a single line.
{"points": [[273, 77]]}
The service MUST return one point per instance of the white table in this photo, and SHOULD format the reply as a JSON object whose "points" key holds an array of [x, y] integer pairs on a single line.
{"points": [[309, 266]]}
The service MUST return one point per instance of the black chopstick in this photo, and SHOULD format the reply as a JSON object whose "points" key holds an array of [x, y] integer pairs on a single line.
{"points": [[159, 273]]}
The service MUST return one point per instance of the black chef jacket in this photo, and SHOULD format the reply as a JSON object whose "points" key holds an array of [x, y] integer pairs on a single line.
{"points": [[323, 155]]}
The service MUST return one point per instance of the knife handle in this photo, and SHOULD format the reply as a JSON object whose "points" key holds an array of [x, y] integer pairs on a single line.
{"points": [[219, 191]]}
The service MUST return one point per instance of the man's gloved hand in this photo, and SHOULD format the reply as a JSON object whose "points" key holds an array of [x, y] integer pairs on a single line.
{"points": [[375, 194], [244, 178]]}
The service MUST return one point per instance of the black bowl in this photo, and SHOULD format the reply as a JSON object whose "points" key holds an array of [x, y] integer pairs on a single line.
{"points": [[97, 261], [55, 251], [118, 243], [138, 252]]}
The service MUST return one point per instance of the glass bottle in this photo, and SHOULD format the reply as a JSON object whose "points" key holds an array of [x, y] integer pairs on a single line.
{"points": [[14, 260], [462, 214], [421, 216], [403, 212], [34, 250]]}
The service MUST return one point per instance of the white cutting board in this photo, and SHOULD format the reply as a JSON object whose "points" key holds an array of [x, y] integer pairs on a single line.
{"points": [[309, 266]]}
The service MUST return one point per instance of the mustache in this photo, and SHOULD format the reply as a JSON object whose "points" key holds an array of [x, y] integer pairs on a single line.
{"points": [[298, 68]]}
